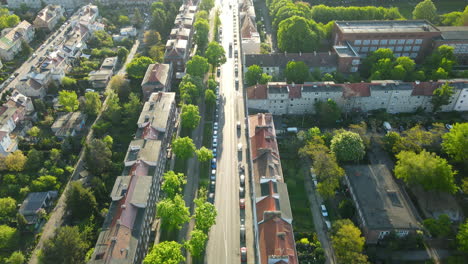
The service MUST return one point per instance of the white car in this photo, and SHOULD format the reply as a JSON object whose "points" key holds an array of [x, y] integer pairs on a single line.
{"points": [[448, 126], [324, 210], [239, 147]]}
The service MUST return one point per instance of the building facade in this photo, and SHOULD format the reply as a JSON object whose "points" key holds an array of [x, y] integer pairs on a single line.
{"points": [[157, 79], [48, 17], [11, 41], [395, 97], [127, 228]]}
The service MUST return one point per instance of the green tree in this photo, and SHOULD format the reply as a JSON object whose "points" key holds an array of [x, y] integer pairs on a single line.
{"points": [[439, 74], [215, 54], [204, 154], [441, 227], [167, 252], [101, 39], [123, 20], [69, 83], [426, 169], [196, 244], [98, 156], [45, 183], [183, 147], [390, 140], [414, 139], [455, 142], [80, 201], [210, 97], [136, 69], [156, 52], [254, 75], [205, 215], [173, 212], [15, 161], [69, 100], [8, 237], [188, 92], [190, 116], [7, 209], [206, 5], [16, 258], [34, 132], [328, 112], [137, 18], [441, 96], [202, 28], [197, 66], [173, 183], [122, 54], [462, 237], [296, 72], [202, 14], [92, 104], [348, 243], [66, 246], [425, 10], [152, 37], [120, 85], [35, 159], [348, 146], [295, 34]]}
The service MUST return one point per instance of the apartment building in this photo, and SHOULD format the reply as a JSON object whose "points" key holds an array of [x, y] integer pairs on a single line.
{"points": [[12, 113], [67, 4], [12, 38], [157, 79], [381, 206], [250, 38], [281, 98], [178, 46], [272, 210], [457, 37], [48, 17], [127, 228]]}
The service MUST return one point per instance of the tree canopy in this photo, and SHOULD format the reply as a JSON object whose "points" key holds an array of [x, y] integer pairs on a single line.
{"points": [[197, 66], [92, 104], [173, 183], [173, 212], [190, 116], [202, 29], [348, 146], [215, 54], [296, 34], [206, 5], [425, 10], [7, 209], [167, 252], [254, 75], [426, 169], [98, 156], [441, 96], [296, 72], [197, 242], [8, 237], [66, 246], [328, 112], [80, 201], [136, 69], [101, 39], [183, 147], [462, 237], [69, 100], [348, 242], [205, 215], [15, 161], [204, 154], [455, 142]]}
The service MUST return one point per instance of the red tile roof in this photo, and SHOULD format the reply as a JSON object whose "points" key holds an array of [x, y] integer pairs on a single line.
{"points": [[267, 204], [425, 88], [356, 90], [258, 91], [276, 239], [295, 91]]}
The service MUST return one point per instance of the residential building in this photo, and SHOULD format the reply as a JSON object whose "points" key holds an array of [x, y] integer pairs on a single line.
{"points": [[48, 17], [281, 98], [128, 32], [127, 228], [17, 99], [109, 63], [457, 37], [177, 53], [11, 41], [33, 87], [100, 78], [157, 79], [250, 38], [274, 64], [33, 204], [410, 38], [382, 207], [34, 4], [68, 124], [272, 210]]}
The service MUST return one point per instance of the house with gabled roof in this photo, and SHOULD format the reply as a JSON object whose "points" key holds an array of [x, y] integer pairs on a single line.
{"points": [[157, 79]]}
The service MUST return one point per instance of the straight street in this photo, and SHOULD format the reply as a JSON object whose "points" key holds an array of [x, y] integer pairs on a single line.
{"points": [[224, 239]]}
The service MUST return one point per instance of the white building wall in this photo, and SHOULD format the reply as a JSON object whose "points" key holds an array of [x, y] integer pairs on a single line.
{"points": [[461, 103]]}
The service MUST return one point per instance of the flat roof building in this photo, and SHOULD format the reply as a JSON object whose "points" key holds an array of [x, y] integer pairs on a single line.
{"points": [[382, 207]]}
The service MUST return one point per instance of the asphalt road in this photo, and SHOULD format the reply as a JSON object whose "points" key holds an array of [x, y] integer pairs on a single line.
{"points": [[54, 40], [224, 239]]}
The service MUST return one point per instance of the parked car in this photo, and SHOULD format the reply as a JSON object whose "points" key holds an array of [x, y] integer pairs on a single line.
{"points": [[213, 175], [215, 142], [324, 210], [242, 180], [448, 126], [243, 252], [211, 198], [241, 192], [213, 163], [215, 134], [242, 233], [242, 203], [239, 147], [238, 125], [215, 125], [215, 152], [315, 183], [212, 186]]}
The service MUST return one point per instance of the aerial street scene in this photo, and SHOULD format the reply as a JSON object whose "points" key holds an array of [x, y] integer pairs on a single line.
{"points": [[234, 131]]}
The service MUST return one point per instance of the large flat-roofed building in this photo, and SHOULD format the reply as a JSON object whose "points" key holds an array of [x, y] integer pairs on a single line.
{"points": [[457, 37], [382, 208], [411, 38], [273, 228], [127, 228]]}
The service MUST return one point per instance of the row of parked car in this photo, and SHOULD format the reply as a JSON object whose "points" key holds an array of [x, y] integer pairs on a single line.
{"points": [[214, 148]]}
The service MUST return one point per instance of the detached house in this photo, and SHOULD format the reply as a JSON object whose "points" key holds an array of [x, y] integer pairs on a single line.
{"points": [[11, 40], [48, 17]]}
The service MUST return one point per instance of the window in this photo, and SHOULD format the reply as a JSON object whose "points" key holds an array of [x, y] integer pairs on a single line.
{"points": [[418, 41], [375, 42], [366, 42], [413, 55], [383, 42], [407, 48], [416, 48], [355, 62], [386, 92], [398, 48], [354, 69], [365, 49], [409, 41], [392, 42], [315, 99], [281, 101], [316, 93], [461, 102], [401, 41], [382, 103], [406, 54], [357, 42], [383, 234], [373, 48], [392, 48]]}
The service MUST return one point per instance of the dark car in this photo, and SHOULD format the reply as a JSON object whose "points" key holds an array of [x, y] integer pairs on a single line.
{"points": [[243, 253]]}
